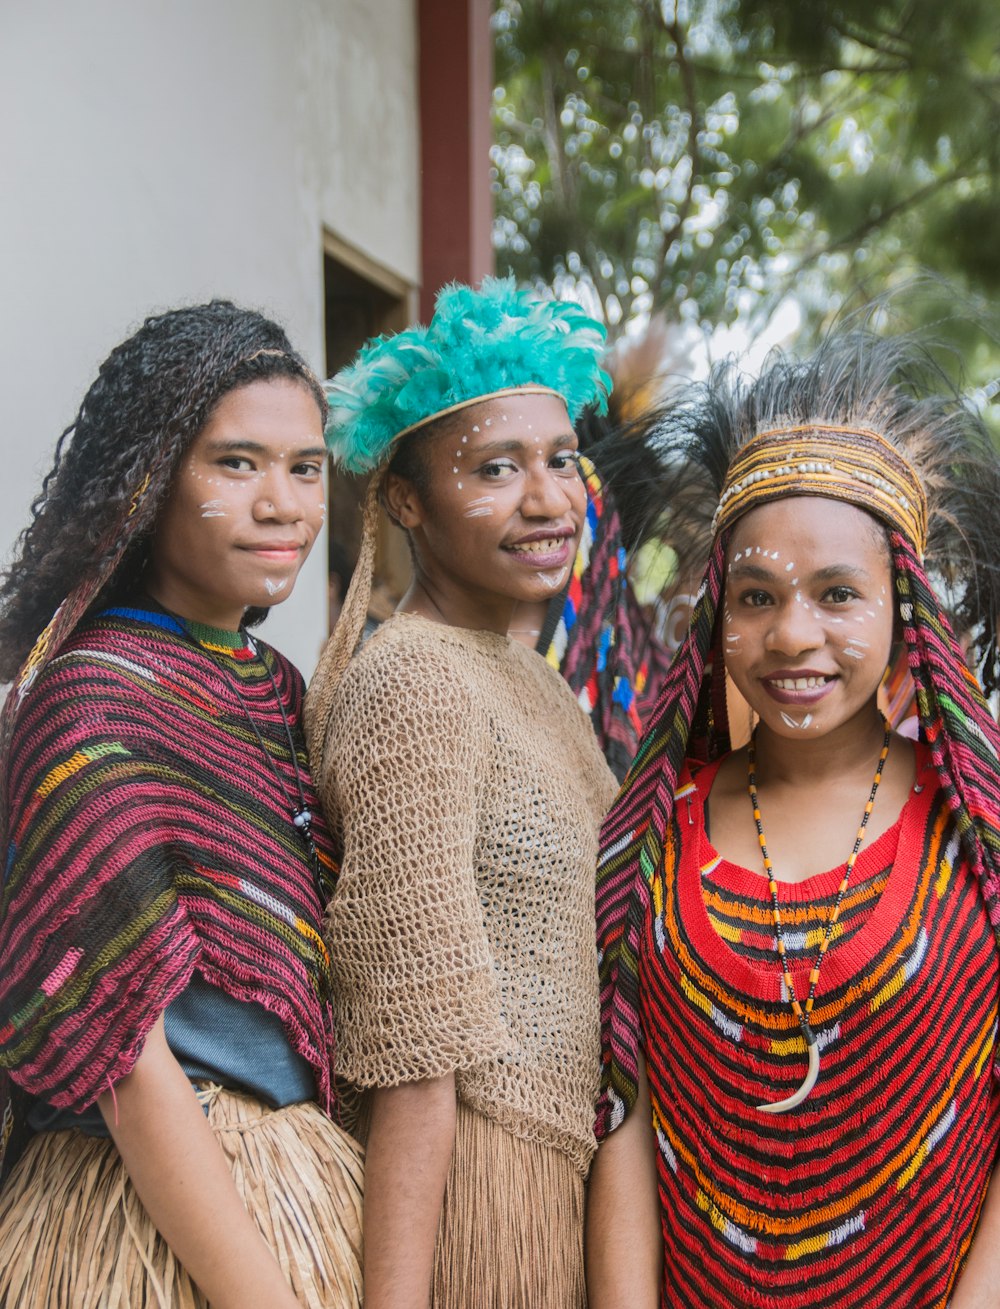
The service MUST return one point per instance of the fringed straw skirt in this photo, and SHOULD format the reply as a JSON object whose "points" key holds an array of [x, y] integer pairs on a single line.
{"points": [[74, 1235], [511, 1232]]}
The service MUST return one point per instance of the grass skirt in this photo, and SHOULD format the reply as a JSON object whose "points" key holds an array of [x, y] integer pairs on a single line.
{"points": [[511, 1232], [74, 1235]]}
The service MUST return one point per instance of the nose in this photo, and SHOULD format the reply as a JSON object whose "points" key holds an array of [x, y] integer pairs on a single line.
{"points": [[794, 628], [276, 499], [548, 494]]}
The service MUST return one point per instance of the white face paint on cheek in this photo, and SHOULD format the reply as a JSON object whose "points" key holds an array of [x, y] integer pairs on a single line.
{"points": [[789, 567], [273, 588], [212, 509], [481, 508]]}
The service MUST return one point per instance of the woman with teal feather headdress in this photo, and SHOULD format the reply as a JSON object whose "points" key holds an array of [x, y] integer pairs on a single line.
{"points": [[466, 788]]}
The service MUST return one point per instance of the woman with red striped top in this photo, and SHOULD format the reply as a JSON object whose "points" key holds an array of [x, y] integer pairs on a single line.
{"points": [[165, 993], [800, 974]]}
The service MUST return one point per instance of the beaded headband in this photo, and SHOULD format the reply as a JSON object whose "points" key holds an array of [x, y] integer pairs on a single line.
{"points": [[852, 464]]}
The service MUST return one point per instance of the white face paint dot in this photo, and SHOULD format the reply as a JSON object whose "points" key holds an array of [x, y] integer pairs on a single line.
{"points": [[454, 470], [789, 567], [465, 440], [475, 427], [460, 484], [489, 422]]}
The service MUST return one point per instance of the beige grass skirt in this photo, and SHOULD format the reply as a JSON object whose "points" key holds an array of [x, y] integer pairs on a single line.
{"points": [[511, 1233], [74, 1235]]}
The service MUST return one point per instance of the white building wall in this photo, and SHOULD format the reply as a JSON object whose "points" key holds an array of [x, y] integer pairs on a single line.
{"points": [[161, 152]]}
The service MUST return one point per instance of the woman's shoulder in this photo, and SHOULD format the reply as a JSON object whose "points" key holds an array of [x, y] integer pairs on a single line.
{"points": [[410, 651], [410, 671]]}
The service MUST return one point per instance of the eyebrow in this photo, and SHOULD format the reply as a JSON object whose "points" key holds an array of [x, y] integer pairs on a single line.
{"points": [[513, 445], [829, 573], [257, 448]]}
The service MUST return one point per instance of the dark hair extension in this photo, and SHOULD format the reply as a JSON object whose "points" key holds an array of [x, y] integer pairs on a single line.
{"points": [[95, 515]]}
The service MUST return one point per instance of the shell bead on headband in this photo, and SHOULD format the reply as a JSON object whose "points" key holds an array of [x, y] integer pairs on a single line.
{"points": [[478, 344], [843, 463]]}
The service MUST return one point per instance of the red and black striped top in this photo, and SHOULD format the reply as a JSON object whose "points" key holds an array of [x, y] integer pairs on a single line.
{"points": [[868, 1193], [150, 837]]}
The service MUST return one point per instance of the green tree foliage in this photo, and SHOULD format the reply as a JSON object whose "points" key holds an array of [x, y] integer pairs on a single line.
{"points": [[706, 157]]}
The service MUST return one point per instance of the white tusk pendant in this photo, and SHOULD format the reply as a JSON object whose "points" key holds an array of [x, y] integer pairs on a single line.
{"points": [[782, 1106]]}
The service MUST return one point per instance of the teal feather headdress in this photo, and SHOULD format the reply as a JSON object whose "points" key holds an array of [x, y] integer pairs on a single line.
{"points": [[477, 344]]}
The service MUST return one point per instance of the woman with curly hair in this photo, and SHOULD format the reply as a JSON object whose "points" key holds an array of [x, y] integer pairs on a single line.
{"points": [[800, 967], [467, 787], [165, 1006]]}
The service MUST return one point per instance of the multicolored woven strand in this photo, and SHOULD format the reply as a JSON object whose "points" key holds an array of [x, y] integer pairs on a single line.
{"points": [[592, 641]]}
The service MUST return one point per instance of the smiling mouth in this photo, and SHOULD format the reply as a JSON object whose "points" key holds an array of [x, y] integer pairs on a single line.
{"points": [[548, 546], [798, 683]]}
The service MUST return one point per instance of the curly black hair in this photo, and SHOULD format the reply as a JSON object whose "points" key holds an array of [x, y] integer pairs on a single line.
{"points": [[92, 522]]}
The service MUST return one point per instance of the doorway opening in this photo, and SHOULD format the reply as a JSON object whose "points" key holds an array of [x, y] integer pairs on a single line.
{"points": [[361, 300]]}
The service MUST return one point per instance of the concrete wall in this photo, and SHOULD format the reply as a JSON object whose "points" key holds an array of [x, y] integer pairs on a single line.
{"points": [[159, 152]]}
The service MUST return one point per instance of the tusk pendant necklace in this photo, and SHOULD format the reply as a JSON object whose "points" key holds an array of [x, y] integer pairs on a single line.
{"points": [[803, 1012]]}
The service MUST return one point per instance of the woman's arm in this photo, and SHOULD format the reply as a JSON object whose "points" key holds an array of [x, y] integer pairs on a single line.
{"points": [[624, 1246], [979, 1285], [181, 1176], [407, 1156]]}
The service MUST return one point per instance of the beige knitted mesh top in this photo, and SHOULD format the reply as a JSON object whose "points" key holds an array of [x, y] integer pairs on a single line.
{"points": [[467, 788]]}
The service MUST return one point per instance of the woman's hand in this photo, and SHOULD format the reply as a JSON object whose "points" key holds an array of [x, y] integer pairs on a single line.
{"points": [[181, 1176], [407, 1157], [624, 1247]]}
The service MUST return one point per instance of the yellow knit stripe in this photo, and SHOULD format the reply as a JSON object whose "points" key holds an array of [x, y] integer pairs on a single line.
{"points": [[73, 764]]}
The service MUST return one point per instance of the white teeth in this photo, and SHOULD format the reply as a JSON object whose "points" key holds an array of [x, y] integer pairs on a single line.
{"points": [[799, 683], [538, 547]]}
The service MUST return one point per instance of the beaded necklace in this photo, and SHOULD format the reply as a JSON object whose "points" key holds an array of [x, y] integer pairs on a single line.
{"points": [[804, 1012]]}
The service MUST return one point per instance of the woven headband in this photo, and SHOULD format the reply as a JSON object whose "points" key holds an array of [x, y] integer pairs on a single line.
{"points": [[527, 389], [842, 463]]}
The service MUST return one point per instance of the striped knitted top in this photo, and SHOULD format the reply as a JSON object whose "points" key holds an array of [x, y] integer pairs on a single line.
{"points": [[149, 838], [868, 1193]]}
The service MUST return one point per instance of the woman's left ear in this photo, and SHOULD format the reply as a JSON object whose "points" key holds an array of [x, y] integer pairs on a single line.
{"points": [[402, 501]]}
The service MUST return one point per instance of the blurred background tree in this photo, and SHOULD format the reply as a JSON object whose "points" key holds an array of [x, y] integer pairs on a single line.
{"points": [[711, 159]]}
